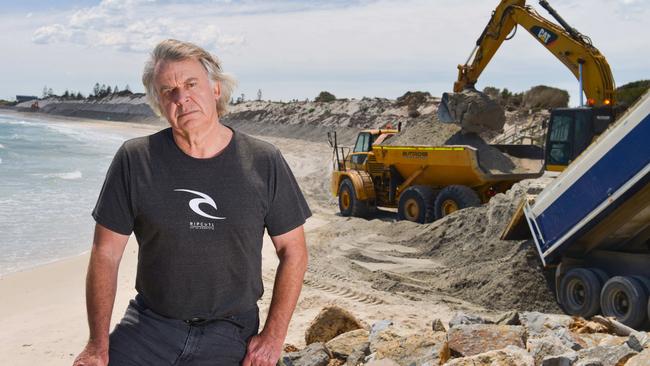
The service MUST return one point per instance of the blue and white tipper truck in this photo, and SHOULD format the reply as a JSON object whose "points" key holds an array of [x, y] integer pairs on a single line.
{"points": [[592, 223]]}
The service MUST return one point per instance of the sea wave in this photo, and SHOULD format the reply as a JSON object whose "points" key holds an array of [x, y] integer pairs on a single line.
{"points": [[66, 175], [2, 146]]}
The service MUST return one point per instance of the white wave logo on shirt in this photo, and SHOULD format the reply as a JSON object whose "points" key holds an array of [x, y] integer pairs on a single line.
{"points": [[196, 202]]}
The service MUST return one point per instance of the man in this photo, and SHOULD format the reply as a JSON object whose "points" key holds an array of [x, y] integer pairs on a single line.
{"points": [[198, 197]]}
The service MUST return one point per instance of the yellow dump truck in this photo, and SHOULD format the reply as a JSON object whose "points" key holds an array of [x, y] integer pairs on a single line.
{"points": [[424, 183]]}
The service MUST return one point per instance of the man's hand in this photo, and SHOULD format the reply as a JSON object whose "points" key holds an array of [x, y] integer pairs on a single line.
{"points": [[92, 355], [263, 350]]}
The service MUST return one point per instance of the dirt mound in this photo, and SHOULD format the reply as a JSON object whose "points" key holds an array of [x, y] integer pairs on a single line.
{"points": [[424, 130], [475, 111], [477, 266], [546, 97]]}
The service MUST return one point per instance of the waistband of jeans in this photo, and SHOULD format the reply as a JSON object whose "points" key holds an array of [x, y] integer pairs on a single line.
{"points": [[198, 320]]}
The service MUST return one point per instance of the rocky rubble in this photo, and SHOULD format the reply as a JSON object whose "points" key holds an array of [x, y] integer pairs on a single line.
{"points": [[535, 339]]}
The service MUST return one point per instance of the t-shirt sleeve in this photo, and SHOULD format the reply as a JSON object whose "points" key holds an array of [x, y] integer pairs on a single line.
{"points": [[114, 208], [287, 206]]}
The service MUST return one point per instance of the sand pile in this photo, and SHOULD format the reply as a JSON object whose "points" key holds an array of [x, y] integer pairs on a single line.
{"points": [[479, 267], [429, 131]]}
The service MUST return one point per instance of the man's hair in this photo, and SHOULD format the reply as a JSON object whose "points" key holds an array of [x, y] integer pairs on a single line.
{"points": [[174, 50]]}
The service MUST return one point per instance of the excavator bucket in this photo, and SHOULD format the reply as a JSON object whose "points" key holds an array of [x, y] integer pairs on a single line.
{"points": [[443, 109]]}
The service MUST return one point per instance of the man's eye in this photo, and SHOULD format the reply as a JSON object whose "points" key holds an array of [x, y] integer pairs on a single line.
{"points": [[192, 84]]}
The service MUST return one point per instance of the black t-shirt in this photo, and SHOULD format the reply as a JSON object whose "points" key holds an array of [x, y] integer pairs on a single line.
{"points": [[199, 222]]}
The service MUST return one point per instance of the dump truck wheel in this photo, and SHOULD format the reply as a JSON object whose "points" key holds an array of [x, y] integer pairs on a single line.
{"points": [[416, 204], [580, 292], [454, 198], [349, 205], [626, 299]]}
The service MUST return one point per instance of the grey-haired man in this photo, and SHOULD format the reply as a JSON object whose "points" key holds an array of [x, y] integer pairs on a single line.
{"points": [[198, 197]]}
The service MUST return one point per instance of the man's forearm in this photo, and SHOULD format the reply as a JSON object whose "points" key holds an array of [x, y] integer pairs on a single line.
{"points": [[286, 290], [101, 285]]}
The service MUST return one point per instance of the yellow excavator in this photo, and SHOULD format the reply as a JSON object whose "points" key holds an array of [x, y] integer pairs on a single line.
{"points": [[570, 130]]}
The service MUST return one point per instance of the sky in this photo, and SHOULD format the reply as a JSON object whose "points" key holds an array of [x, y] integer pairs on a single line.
{"points": [[291, 49]]}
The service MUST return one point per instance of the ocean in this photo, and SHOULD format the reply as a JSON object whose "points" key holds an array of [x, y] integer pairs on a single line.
{"points": [[51, 172]]}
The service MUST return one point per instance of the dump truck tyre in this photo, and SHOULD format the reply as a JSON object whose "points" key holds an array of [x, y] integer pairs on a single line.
{"points": [[349, 205], [453, 198], [416, 204], [580, 292], [625, 298]]}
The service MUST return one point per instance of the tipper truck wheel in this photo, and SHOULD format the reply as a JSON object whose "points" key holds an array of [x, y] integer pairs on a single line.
{"points": [[625, 298], [454, 198], [416, 204], [580, 292], [349, 205]]}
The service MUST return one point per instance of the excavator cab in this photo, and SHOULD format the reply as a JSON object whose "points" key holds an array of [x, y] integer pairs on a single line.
{"points": [[571, 131]]}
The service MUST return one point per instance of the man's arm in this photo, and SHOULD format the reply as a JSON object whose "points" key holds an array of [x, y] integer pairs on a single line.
{"points": [[101, 285], [265, 349]]}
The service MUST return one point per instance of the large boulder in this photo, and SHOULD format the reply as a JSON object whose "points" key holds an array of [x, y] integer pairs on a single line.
{"points": [[330, 322], [642, 359], [475, 111], [315, 354], [541, 348], [344, 344], [607, 355], [416, 349], [470, 340], [508, 356]]}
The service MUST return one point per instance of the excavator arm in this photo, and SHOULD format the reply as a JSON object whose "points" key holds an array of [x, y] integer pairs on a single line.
{"points": [[573, 49]]}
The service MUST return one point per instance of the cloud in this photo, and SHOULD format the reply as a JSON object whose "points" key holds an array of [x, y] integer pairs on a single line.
{"points": [[51, 34], [132, 26]]}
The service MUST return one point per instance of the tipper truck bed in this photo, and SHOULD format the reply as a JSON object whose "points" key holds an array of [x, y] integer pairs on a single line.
{"points": [[593, 223]]}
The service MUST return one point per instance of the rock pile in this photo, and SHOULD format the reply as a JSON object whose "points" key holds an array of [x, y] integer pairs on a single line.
{"points": [[475, 111], [527, 338]]}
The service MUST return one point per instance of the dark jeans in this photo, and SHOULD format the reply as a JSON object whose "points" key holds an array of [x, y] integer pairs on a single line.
{"points": [[145, 338]]}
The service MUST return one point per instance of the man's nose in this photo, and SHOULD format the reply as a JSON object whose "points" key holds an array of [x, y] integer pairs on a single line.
{"points": [[180, 96]]}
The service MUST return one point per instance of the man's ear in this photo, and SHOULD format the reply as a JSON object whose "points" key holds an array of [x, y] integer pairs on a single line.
{"points": [[217, 90]]}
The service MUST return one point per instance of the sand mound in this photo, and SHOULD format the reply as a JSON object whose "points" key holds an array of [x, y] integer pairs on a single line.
{"points": [[429, 131], [478, 266], [424, 130]]}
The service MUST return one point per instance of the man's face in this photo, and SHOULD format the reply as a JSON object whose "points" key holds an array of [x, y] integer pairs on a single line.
{"points": [[186, 97]]}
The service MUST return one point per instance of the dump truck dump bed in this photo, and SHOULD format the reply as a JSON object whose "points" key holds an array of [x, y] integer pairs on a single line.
{"points": [[602, 201], [447, 165]]}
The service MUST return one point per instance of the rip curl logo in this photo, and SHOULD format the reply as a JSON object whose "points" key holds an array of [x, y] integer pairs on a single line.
{"points": [[196, 202]]}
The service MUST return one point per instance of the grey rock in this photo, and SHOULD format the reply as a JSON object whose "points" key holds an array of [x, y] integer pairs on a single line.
{"points": [[566, 359], [437, 326], [508, 356], [358, 356], [539, 324], [590, 362], [607, 355], [637, 341], [509, 318], [379, 326], [315, 354], [542, 348], [344, 344], [467, 319]]}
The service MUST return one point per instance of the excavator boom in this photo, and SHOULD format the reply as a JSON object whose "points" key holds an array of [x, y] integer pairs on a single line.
{"points": [[573, 49]]}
